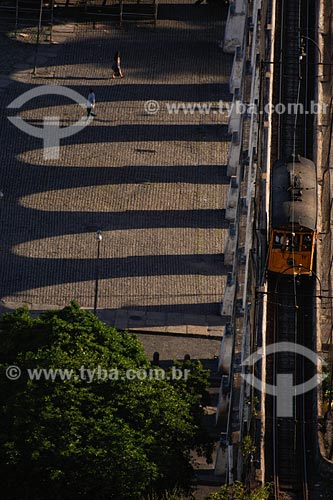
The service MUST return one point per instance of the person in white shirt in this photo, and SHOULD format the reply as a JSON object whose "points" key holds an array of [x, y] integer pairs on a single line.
{"points": [[91, 103]]}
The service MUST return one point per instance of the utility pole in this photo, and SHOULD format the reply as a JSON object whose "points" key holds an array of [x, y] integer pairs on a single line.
{"points": [[99, 239]]}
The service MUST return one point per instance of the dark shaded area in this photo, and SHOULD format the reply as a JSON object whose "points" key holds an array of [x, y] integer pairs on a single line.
{"points": [[57, 177], [34, 273], [155, 133], [123, 91]]}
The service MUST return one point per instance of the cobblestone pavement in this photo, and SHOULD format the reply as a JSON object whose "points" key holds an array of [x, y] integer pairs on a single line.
{"points": [[154, 184]]}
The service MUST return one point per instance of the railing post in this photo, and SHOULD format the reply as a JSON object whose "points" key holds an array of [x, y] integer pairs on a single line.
{"points": [[121, 12]]}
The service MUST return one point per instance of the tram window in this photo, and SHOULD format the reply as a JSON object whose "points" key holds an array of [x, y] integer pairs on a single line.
{"points": [[292, 242], [278, 240], [307, 243]]}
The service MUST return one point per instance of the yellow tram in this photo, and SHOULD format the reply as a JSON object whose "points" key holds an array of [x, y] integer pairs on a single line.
{"points": [[293, 217]]}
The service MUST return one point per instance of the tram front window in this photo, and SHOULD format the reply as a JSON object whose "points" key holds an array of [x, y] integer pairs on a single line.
{"points": [[292, 242], [307, 243], [278, 240]]}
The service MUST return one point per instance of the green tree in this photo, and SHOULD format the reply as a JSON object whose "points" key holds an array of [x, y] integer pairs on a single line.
{"points": [[247, 446], [195, 385], [90, 439]]}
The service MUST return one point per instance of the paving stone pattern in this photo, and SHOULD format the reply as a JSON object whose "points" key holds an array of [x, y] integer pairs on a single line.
{"points": [[155, 185]]}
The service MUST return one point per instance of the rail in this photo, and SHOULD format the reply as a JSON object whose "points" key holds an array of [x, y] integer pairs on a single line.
{"points": [[289, 309]]}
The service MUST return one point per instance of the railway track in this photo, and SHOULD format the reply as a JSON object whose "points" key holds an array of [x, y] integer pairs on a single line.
{"points": [[292, 323], [289, 298], [290, 78], [294, 79]]}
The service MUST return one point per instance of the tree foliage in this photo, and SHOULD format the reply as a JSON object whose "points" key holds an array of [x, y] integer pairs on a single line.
{"points": [[108, 439], [238, 491]]}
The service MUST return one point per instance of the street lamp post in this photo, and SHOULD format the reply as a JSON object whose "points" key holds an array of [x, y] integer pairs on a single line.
{"points": [[99, 239], [316, 44], [39, 29]]}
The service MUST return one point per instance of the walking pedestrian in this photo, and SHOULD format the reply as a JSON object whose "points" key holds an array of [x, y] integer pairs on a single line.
{"points": [[91, 103], [117, 73]]}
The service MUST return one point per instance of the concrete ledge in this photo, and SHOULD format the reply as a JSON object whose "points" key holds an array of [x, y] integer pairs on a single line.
{"points": [[238, 6], [225, 357], [235, 27], [232, 200], [236, 76], [230, 246], [223, 403], [228, 303], [221, 463], [234, 154], [234, 123]]}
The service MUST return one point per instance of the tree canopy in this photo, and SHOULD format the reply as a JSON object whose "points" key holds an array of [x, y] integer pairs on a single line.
{"points": [[104, 438]]}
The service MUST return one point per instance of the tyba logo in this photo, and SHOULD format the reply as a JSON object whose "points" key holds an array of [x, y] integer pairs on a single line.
{"points": [[51, 132], [284, 390]]}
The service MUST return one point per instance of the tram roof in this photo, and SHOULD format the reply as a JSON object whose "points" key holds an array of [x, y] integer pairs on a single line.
{"points": [[294, 194]]}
